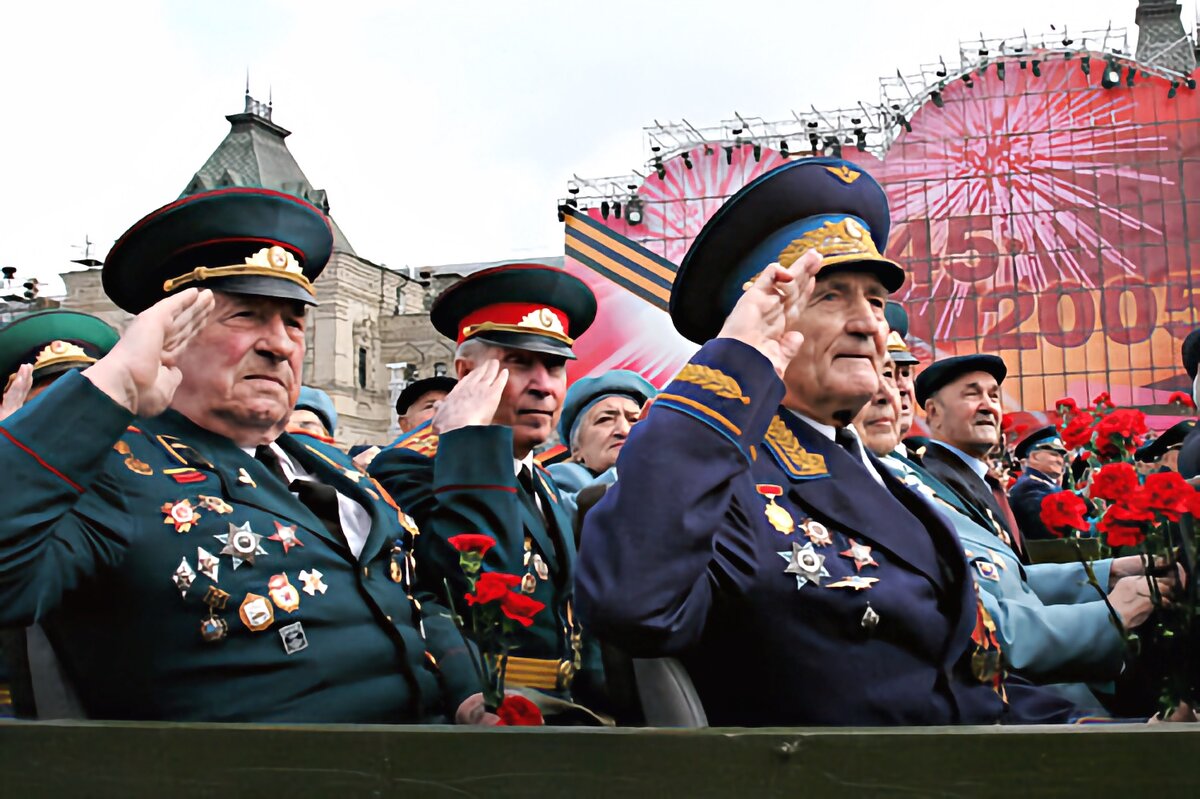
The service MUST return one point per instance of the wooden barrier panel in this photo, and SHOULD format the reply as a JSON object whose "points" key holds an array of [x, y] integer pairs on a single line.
{"points": [[177, 761]]}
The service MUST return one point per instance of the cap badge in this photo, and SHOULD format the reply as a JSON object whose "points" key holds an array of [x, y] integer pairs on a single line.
{"points": [[844, 237], [275, 258], [844, 173], [543, 319], [57, 351]]}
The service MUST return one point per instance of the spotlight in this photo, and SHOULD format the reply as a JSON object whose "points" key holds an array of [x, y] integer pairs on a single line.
{"points": [[687, 160], [561, 217], [1085, 64], [860, 139], [659, 168], [617, 210], [633, 211], [967, 80], [813, 139], [737, 131], [1129, 77], [1111, 76], [936, 96], [728, 154], [1023, 63], [783, 148], [1191, 83], [757, 152], [833, 146], [1000, 70], [1174, 90], [1037, 68], [573, 202], [604, 209], [904, 122], [572, 187]]}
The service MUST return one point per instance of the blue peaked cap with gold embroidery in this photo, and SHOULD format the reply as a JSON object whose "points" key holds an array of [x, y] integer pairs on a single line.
{"points": [[897, 345], [1043, 438], [823, 204]]}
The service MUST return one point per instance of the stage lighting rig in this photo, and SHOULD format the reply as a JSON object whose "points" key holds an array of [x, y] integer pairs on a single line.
{"points": [[633, 211], [1112, 74]]}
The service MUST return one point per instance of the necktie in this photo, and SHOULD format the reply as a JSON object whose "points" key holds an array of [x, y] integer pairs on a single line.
{"points": [[525, 479], [849, 442], [319, 498], [1001, 498]]}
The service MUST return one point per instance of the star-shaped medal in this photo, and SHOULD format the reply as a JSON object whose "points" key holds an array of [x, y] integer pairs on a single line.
{"points": [[184, 577], [860, 554], [855, 581], [285, 534], [241, 543], [312, 582], [805, 563], [209, 564]]}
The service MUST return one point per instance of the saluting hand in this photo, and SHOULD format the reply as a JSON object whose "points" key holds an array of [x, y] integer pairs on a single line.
{"points": [[474, 400], [140, 372], [15, 396], [767, 314]]}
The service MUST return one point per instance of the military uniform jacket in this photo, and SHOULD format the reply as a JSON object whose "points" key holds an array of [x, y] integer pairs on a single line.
{"points": [[1026, 500], [685, 557], [974, 493], [464, 482], [1052, 624], [116, 536]]}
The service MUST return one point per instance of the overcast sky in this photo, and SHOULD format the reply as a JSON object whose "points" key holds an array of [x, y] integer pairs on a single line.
{"points": [[444, 131]]}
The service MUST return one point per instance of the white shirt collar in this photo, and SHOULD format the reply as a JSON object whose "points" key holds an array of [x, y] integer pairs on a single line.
{"points": [[827, 430], [979, 467], [526, 461], [830, 432]]}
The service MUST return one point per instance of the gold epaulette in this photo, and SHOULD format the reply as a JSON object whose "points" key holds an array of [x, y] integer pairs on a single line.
{"points": [[713, 380], [795, 459], [423, 442]]}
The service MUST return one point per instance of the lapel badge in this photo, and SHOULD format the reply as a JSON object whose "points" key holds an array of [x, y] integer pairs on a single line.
{"points": [[855, 581], [408, 523], [241, 543], [987, 570], [213, 629], [540, 567], [283, 593], [816, 532], [245, 479], [215, 598], [181, 514], [132, 463], [215, 504], [528, 583], [805, 563], [312, 582], [353, 475], [285, 534], [184, 577], [870, 619], [778, 516], [860, 554], [256, 613], [998, 559], [396, 562], [294, 638], [208, 563]]}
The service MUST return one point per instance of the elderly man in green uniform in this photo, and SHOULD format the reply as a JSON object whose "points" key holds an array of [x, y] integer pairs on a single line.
{"points": [[35, 350], [187, 558], [1052, 624], [471, 468], [904, 365]]}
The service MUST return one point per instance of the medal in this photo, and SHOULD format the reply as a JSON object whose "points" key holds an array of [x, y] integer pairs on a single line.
{"points": [[312, 582], [208, 563], [816, 532], [777, 516], [283, 594], [184, 577], [215, 598], [854, 581], [860, 554], [528, 583], [540, 567], [245, 479], [293, 638], [181, 514], [285, 534], [870, 619], [987, 570], [256, 613], [805, 563], [241, 543], [215, 504], [213, 629]]}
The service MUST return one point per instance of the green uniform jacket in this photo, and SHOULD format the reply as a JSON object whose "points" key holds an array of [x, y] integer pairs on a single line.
{"points": [[1053, 626], [464, 482], [96, 545]]}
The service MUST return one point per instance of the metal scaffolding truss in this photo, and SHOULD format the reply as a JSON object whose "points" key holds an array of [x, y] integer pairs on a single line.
{"points": [[872, 127]]}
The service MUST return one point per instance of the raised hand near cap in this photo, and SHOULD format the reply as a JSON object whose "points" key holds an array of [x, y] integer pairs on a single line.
{"points": [[17, 391], [767, 314], [474, 400], [140, 372]]}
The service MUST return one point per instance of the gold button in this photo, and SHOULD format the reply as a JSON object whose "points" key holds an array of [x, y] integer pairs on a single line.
{"points": [[366, 571], [389, 618]]}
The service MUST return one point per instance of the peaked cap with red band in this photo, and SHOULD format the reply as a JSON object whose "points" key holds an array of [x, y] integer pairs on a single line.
{"points": [[241, 240], [523, 306]]}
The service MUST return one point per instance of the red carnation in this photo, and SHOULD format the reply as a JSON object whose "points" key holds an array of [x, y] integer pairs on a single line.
{"points": [[1066, 404], [1120, 535], [1114, 481], [1078, 432], [1102, 399], [1179, 398], [492, 586], [1167, 494], [475, 543], [520, 608], [517, 711], [1006, 422], [1124, 422], [1063, 511]]}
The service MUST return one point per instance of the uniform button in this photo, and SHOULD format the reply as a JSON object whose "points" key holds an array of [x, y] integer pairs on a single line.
{"points": [[389, 618], [366, 571]]}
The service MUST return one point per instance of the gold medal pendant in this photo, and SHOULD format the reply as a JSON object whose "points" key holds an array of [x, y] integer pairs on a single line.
{"points": [[777, 516]]}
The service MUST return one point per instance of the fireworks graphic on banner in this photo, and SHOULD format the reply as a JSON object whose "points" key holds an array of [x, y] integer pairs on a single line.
{"points": [[1009, 178]]}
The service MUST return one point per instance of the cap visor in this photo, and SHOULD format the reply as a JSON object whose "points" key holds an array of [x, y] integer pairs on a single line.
{"points": [[526, 341], [258, 286]]}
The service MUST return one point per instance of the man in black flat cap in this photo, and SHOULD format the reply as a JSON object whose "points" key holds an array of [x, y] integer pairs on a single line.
{"points": [[961, 400], [419, 399]]}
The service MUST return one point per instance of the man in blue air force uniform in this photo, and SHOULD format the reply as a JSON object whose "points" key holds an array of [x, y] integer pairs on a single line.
{"points": [[750, 534], [187, 559], [471, 468], [1052, 624], [1043, 460]]}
